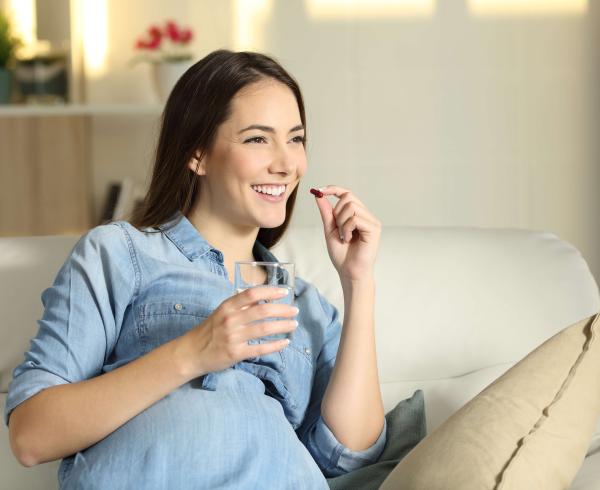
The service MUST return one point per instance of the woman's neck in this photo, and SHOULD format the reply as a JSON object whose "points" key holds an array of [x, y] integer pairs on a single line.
{"points": [[236, 243]]}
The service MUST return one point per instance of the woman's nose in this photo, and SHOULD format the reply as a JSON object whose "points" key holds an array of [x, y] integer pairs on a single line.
{"points": [[283, 161]]}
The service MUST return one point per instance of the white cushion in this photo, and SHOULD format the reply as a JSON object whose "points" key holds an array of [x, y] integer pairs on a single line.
{"points": [[456, 307], [588, 477], [28, 265]]}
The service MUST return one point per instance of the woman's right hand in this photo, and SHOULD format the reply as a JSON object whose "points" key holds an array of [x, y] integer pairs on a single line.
{"points": [[222, 339]]}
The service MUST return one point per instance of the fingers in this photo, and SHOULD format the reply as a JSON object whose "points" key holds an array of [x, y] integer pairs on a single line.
{"points": [[257, 330], [361, 225], [346, 199], [348, 222], [336, 190], [256, 350], [326, 212], [329, 214], [253, 295], [349, 213], [266, 310], [344, 217], [253, 305]]}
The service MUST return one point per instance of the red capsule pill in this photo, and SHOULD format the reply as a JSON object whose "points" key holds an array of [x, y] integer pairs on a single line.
{"points": [[316, 192]]}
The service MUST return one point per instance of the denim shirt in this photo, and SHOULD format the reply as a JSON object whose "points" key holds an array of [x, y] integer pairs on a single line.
{"points": [[123, 292]]}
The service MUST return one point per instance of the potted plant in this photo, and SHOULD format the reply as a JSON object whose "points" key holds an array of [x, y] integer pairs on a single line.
{"points": [[8, 46], [167, 49]]}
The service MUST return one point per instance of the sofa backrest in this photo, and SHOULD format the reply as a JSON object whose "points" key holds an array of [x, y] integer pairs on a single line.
{"points": [[455, 306], [28, 265]]}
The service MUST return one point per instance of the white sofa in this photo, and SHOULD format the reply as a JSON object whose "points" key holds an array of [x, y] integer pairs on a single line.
{"points": [[456, 307]]}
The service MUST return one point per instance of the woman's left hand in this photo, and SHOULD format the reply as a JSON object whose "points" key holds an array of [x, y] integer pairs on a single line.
{"points": [[354, 256]]}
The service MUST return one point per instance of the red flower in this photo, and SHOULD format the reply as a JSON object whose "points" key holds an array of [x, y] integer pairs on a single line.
{"points": [[154, 43], [154, 36], [155, 32], [172, 31], [185, 36]]}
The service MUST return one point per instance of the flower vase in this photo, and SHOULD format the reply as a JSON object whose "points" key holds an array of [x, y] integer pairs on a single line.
{"points": [[166, 74]]}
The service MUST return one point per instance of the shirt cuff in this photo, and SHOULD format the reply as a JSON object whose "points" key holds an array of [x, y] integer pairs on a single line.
{"points": [[336, 458], [27, 384]]}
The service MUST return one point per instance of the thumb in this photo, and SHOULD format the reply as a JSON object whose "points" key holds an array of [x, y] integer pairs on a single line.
{"points": [[326, 211]]}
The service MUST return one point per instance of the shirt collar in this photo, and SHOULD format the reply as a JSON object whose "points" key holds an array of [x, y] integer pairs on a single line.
{"points": [[262, 253], [192, 244]]}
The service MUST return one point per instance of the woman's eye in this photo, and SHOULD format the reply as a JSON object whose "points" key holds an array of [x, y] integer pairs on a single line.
{"points": [[256, 139], [262, 139]]}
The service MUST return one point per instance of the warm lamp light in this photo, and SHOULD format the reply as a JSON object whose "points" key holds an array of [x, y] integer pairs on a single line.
{"points": [[22, 14], [94, 33], [527, 7], [250, 17], [369, 8]]}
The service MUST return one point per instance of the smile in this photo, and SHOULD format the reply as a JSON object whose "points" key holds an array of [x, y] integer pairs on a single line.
{"points": [[270, 193], [271, 190]]}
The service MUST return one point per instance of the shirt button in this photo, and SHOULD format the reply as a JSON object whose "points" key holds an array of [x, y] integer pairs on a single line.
{"points": [[178, 306], [306, 350]]}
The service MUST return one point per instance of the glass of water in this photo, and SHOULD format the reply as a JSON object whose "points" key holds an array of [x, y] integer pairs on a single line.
{"points": [[271, 274]]}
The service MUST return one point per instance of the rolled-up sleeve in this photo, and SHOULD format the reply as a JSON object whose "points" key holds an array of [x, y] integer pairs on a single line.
{"points": [[83, 310], [332, 457]]}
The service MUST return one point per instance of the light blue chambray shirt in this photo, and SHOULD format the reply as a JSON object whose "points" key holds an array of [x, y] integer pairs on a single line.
{"points": [[123, 292]]}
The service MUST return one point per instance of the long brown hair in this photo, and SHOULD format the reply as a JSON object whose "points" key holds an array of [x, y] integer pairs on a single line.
{"points": [[199, 102]]}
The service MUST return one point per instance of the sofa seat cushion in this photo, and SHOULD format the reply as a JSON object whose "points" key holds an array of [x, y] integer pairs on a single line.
{"points": [[589, 474]]}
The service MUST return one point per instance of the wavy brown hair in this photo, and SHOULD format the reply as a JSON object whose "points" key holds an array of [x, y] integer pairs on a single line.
{"points": [[198, 104]]}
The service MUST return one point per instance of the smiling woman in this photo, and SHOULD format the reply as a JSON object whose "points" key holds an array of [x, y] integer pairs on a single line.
{"points": [[149, 369], [223, 163], [245, 168], [236, 120]]}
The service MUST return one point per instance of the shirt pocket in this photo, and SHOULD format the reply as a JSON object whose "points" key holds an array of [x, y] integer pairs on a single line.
{"points": [[162, 321], [299, 369]]}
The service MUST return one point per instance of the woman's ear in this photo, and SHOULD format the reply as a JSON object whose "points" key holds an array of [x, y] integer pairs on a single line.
{"points": [[197, 164]]}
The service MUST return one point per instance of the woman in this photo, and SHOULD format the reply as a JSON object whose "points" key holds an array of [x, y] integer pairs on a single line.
{"points": [[145, 372]]}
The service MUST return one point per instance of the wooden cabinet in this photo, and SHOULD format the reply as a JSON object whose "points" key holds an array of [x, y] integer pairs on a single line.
{"points": [[44, 175], [46, 168]]}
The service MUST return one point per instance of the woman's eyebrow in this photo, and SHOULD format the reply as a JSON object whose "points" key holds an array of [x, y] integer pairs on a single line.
{"points": [[269, 129]]}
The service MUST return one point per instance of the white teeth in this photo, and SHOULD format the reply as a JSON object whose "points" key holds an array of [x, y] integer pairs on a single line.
{"points": [[271, 190]]}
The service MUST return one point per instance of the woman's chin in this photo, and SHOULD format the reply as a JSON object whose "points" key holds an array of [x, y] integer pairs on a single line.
{"points": [[271, 223]]}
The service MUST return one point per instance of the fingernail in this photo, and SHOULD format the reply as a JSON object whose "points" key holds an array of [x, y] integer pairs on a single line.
{"points": [[283, 292], [316, 192]]}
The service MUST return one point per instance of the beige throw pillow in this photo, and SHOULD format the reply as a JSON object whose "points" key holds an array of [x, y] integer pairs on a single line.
{"points": [[529, 429]]}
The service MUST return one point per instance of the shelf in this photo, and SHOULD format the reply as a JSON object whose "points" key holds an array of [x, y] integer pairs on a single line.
{"points": [[22, 110]]}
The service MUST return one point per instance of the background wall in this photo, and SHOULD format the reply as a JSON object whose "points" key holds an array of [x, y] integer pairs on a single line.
{"points": [[439, 116]]}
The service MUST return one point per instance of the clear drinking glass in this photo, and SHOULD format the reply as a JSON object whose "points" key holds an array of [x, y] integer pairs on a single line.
{"points": [[271, 274]]}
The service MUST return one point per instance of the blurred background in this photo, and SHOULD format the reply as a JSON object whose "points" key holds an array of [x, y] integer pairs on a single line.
{"points": [[476, 113]]}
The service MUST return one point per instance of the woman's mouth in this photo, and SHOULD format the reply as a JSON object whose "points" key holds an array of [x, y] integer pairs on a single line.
{"points": [[270, 193]]}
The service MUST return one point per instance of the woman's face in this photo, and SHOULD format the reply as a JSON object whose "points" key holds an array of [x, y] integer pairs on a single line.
{"points": [[259, 145]]}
